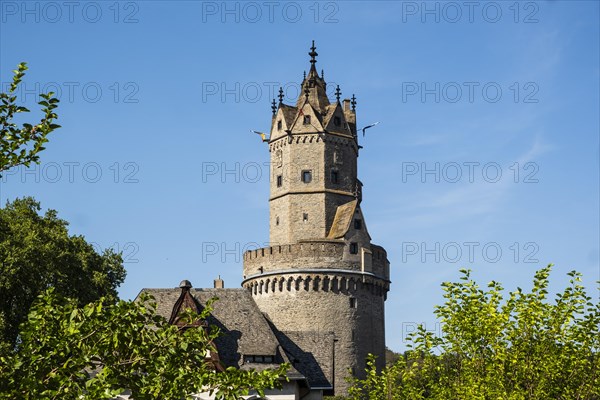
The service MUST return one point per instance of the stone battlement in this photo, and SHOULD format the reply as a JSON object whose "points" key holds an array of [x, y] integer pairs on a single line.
{"points": [[314, 254]]}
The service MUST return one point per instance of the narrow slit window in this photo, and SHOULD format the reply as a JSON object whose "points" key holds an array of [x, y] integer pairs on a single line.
{"points": [[306, 176], [279, 125], [357, 224], [353, 248], [334, 176], [279, 180], [352, 303], [305, 217], [306, 120], [337, 121]]}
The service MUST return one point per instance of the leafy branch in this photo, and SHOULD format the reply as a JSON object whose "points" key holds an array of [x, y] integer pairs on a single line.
{"points": [[20, 145]]}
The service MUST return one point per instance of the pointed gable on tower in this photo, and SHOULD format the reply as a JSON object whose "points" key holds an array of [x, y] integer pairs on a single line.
{"points": [[314, 88], [283, 121], [307, 120], [335, 120]]}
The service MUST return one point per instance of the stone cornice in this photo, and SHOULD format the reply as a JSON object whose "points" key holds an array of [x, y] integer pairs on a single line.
{"points": [[341, 192]]}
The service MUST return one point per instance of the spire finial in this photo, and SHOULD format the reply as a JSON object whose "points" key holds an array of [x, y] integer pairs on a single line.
{"points": [[323, 74], [306, 91], [338, 93], [304, 75], [273, 107], [280, 95], [353, 102], [185, 285], [313, 54]]}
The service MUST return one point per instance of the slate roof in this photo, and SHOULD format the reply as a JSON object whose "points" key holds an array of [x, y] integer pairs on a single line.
{"points": [[244, 329], [342, 219], [289, 113], [310, 354], [317, 93]]}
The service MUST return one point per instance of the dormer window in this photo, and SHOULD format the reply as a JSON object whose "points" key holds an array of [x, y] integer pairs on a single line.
{"points": [[337, 121], [279, 125], [306, 120], [258, 359]]}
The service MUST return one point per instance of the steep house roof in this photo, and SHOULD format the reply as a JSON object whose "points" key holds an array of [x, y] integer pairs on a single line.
{"points": [[244, 330], [311, 354], [342, 219]]}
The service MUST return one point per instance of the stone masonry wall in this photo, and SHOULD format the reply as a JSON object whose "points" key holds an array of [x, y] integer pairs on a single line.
{"points": [[296, 207], [352, 309]]}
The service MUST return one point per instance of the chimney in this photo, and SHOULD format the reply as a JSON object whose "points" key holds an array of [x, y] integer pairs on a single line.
{"points": [[219, 283], [346, 106]]}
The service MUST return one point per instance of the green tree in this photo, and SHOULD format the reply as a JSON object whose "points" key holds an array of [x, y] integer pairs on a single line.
{"points": [[391, 356], [21, 145], [521, 347], [99, 350], [36, 253]]}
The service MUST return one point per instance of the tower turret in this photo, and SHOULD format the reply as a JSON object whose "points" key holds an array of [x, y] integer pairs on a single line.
{"points": [[321, 272], [314, 150]]}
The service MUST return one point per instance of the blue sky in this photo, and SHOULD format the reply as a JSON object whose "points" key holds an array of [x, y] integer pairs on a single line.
{"points": [[487, 155]]}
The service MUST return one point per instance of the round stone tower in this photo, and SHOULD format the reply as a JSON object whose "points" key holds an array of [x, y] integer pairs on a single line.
{"points": [[321, 276]]}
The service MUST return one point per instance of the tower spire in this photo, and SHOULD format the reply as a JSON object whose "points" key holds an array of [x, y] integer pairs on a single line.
{"points": [[313, 54], [313, 88]]}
